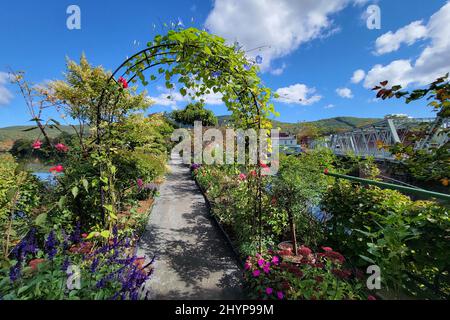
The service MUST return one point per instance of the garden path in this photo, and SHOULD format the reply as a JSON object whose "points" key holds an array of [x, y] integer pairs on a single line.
{"points": [[192, 259]]}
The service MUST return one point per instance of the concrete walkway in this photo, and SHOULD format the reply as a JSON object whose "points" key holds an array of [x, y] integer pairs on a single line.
{"points": [[192, 259]]}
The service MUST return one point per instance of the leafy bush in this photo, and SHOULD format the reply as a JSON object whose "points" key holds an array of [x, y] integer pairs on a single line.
{"points": [[297, 187], [407, 239], [19, 198]]}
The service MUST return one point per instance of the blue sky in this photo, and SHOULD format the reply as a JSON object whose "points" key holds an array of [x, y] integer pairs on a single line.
{"points": [[311, 47]]}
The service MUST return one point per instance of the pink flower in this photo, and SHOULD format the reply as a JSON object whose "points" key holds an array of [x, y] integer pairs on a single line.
{"points": [[242, 177], [256, 273], [261, 262], [59, 168], [371, 298], [140, 183], [280, 295], [37, 144], [327, 249], [61, 147], [269, 291], [275, 260], [84, 235], [123, 82], [247, 266], [267, 268]]}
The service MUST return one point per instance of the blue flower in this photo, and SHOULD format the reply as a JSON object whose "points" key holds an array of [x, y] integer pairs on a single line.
{"points": [[50, 245], [94, 265], [65, 265], [216, 74], [14, 272], [75, 237], [259, 59], [247, 67]]}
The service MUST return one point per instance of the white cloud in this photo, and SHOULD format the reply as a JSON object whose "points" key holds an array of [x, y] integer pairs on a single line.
{"points": [[298, 94], [279, 26], [5, 95], [358, 76], [173, 98], [390, 42], [329, 106], [345, 93], [278, 71], [432, 63]]}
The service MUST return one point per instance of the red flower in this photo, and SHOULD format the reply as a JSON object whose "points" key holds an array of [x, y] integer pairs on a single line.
{"points": [[327, 249], [326, 171], [335, 256], [61, 147], [35, 263], [253, 173], [304, 251], [371, 298], [343, 274], [263, 165], [123, 82], [59, 168], [84, 235], [242, 177], [37, 144]]}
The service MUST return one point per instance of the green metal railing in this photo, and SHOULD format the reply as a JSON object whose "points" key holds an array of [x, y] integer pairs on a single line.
{"points": [[385, 185]]}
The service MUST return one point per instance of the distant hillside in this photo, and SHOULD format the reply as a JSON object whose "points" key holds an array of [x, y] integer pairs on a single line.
{"points": [[10, 134], [326, 126]]}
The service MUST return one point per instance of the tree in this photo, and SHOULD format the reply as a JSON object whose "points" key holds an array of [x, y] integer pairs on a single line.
{"points": [[195, 112], [308, 131], [297, 187], [82, 89]]}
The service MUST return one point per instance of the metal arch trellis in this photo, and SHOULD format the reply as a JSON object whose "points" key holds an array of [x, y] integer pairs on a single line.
{"points": [[144, 58]]}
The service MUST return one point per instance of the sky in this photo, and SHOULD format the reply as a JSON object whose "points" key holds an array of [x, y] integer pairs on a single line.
{"points": [[320, 56]]}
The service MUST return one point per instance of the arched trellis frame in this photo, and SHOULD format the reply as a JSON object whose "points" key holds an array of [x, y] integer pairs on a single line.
{"points": [[203, 64]]}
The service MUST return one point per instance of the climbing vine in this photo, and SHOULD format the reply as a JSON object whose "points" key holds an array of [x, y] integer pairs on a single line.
{"points": [[195, 63]]}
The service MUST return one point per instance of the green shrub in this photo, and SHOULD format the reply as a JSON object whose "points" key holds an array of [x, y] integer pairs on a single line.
{"points": [[407, 239], [19, 199]]}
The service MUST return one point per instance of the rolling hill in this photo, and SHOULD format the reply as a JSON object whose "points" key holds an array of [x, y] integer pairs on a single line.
{"points": [[325, 126]]}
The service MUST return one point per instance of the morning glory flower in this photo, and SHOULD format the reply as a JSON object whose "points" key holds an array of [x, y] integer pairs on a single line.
{"points": [[259, 59], [216, 74]]}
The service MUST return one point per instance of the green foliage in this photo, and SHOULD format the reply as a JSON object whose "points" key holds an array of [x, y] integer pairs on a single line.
{"points": [[194, 112], [19, 198], [407, 239], [298, 187]]}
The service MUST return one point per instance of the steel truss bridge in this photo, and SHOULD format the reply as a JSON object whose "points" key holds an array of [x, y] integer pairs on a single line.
{"points": [[371, 140]]}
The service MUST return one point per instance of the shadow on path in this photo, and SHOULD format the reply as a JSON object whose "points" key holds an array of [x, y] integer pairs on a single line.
{"points": [[192, 259]]}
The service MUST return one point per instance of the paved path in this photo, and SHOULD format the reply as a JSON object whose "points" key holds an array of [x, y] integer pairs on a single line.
{"points": [[193, 261]]}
